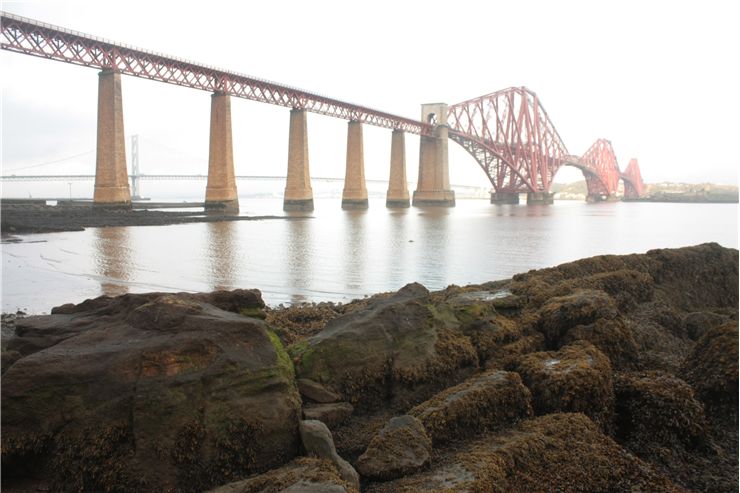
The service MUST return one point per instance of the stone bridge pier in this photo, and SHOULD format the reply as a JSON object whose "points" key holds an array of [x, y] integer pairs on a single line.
{"points": [[433, 186], [111, 177], [221, 193]]}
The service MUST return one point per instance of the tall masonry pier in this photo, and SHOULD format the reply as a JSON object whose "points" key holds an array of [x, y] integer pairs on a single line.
{"points": [[298, 192], [354, 195], [433, 186], [221, 191], [398, 188], [111, 177]]}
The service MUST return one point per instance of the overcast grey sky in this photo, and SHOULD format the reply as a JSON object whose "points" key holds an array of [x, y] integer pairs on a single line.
{"points": [[659, 79]]}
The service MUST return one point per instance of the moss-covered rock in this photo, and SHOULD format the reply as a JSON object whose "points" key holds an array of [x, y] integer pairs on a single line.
{"points": [[563, 313], [395, 344], [557, 452], [712, 369], [401, 447], [487, 401], [148, 393], [577, 378]]}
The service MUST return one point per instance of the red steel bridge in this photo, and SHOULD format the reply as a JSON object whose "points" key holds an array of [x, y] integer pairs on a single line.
{"points": [[508, 132]]}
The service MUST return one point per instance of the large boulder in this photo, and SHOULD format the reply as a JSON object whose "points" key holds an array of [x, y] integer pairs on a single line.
{"points": [[484, 402], [400, 448], [712, 369], [302, 475], [577, 378], [147, 392], [557, 452], [613, 337], [656, 409], [563, 313], [395, 344]]}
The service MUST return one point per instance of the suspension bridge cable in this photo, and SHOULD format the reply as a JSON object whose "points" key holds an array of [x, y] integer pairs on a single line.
{"points": [[51, 162]]}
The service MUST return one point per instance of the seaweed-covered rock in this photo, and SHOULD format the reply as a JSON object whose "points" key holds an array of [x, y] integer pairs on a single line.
{"points": [[402, 447], [147, 392], [557, 452], [712, 369], [657, 409], [697, 323], [399, 342], [331, 414], [612, 337], [577, 378], [316, 392], [302, 475], [561, 314], [484, 402], [318, 442]]}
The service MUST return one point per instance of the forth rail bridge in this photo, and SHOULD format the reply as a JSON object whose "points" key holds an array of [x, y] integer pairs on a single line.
{"points": [[508, 132]]}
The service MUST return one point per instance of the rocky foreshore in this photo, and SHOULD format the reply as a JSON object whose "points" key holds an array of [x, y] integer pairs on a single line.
{"points": [[612, 373], [40, 218]]}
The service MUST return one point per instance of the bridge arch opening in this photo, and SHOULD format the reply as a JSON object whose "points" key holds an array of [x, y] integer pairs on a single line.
{"points": [[573, 182]]}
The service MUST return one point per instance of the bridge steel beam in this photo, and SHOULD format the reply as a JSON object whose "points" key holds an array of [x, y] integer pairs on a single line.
{"points": [[31, 37], [111, 178], [398, 187], [298, 192], [354, 195], [221, 193]]}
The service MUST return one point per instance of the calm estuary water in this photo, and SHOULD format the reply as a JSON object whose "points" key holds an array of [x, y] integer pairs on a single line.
{"points": [[336, 255]]}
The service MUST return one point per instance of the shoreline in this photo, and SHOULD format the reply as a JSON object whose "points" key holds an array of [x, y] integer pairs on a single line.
{"points": [[37, 218], [624, 365]]}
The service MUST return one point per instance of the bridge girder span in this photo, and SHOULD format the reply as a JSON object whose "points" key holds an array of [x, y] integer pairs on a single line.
{"points": [[511, 136]]}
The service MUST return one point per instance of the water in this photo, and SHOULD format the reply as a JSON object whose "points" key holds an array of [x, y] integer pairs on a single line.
{"points": [[336, 255]]}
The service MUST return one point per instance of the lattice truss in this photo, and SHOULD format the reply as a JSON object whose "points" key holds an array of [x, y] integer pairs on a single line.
{"points": [[31, 37], [634, 187], [511, 136], [599, 164]]}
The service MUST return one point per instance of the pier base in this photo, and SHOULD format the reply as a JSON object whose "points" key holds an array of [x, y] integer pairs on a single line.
{"points": [[592, 198], [433, 187], [111, 177], [398, 188], [540, 198], [501, 198], [221, 193], [354, 195], [298, 193]]}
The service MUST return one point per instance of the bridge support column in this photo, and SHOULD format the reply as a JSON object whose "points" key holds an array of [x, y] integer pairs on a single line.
{"points": [[398, 188], [354, 195], [221, 194], [597, 197], [539, 198], [500, 198], [433, 186], [111, 177], [298, 193]]}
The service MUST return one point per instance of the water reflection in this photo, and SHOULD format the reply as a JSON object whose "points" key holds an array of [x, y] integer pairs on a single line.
{"points": [[396, 247], [355, 251], [113, 259], [300, 254], [432, 253], [222, 254]]}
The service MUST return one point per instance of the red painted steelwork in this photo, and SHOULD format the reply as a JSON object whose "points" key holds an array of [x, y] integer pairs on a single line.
{"points": [[634, 187], [511, 136], [600, 169], [31, 37]]}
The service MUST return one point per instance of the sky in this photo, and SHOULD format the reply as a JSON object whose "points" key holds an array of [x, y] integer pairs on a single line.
{"points": [[658, 79]]}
